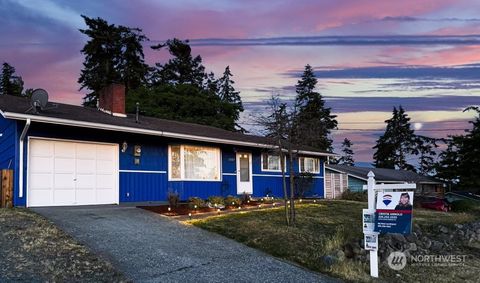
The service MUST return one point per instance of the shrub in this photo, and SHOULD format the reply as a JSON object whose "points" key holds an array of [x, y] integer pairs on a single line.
{"points": [[216, 201], [356, 196], [464, 205], [246, 198], [196, 202], [232, 201], [173, 198]]}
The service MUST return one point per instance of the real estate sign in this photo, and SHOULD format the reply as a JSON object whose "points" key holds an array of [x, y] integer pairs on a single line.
{"points": [[394, 212], [371, 242]]}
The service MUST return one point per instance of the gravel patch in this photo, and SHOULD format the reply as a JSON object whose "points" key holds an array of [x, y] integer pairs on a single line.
{"points": [[34, 250]]}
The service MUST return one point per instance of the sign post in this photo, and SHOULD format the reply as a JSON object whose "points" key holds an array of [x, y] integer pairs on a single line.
{"points": [[390, 213], [371, 237]]}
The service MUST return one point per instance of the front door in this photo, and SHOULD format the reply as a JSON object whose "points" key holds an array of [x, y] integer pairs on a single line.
{"points": [[244, 173]]}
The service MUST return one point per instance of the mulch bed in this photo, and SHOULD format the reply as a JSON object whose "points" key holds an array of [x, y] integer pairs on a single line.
{"points": [[184, 211], [32, 249]]}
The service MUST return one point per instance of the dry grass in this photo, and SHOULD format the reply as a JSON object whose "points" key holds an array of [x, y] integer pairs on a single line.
{"points": [[321, 229], [34, 250]]}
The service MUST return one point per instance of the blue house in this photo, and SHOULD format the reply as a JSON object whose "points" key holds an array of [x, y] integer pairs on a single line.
{"points": [[71, 155]]}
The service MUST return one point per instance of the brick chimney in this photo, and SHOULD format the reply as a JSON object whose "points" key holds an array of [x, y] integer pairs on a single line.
{"points": [[112, 100]]}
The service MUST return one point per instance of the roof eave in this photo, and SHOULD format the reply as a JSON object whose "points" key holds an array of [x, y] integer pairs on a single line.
{"points": [[109, 127]]}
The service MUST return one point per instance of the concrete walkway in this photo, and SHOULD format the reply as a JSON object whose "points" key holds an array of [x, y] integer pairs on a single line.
{"points": [[150, 248]]}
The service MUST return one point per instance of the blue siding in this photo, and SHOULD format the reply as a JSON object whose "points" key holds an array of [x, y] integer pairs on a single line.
{"points": [[135, 187], [7, 143], [148, 180], [8, 153]]}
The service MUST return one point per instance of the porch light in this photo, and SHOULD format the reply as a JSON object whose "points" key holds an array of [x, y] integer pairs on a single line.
{"points": [[218, 210], [124, 146], [314, 200], [273, 204]]}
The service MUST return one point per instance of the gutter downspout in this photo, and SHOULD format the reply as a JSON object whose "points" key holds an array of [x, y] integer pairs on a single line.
{"points": [[22, 137]]}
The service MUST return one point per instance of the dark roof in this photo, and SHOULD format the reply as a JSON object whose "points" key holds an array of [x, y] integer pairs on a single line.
{"points": [[384, 174], [21, 105]]}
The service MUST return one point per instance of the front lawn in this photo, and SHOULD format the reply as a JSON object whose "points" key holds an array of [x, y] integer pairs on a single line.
{"points": [[323, 229], [33, 250]]}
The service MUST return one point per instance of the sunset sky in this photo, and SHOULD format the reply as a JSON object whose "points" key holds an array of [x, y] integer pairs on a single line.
{"points": [[368, 55]]}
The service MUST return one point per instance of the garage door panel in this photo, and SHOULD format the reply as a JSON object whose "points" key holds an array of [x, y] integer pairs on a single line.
{"points": [[104, 195], [105, 181], [72, 173], [41, 182], [64, 196], [64, 165], [40, 197], [40, 164], [105, 167], [86, 181], [102, 154], [85, 166], [41, 148], [64, 150], [86, 151], [86, 196]]}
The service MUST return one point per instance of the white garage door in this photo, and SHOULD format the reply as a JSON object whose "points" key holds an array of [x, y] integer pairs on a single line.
{"points": [[71, 173]]}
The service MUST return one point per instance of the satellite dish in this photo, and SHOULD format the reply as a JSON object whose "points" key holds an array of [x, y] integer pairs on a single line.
{"points": [[39, 101], [39, 98]]}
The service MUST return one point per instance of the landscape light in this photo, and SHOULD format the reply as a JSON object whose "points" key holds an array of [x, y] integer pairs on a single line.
{"points": [[190, 215], [273, 204], [169, 209], [195, 206]]}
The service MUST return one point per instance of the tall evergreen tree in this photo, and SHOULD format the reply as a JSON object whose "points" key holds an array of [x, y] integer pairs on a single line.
{"points": [[459, 163], [425, 149], [228, 94], [396, 143], [183, 68], [9, 82], [347, 153], [313, 116], [113, 54]]}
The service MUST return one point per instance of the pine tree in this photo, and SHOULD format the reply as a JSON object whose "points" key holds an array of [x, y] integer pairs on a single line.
{"points": [[113, 54], [228, 94], [347, 153], [396, 143], [460, 161], [9, 82], [183, 68], [313, 116], [425, 149]]}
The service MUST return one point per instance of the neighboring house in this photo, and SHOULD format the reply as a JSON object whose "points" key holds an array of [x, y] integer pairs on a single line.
{"points": [[71, 155], [354, 178]]}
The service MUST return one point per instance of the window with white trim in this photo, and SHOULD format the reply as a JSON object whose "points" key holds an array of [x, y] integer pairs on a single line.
{"points": [[199, 163], [309, 164], [271, 162]]}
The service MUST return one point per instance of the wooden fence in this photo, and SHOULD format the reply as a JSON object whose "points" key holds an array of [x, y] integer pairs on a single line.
{"points": [[6, 196]]}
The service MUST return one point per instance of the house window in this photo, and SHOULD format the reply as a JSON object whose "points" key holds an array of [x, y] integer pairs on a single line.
{"points": [[309, 164], [271, 162], [199, 163]]}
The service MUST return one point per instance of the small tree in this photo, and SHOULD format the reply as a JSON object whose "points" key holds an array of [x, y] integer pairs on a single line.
{"points": [[347, 153], [9, 82]]}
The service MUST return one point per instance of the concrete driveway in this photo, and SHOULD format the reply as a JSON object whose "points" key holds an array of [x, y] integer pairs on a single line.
{"points": [[150, 248]]}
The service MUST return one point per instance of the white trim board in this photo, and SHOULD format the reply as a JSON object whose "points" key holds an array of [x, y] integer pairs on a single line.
{"points": [[101, 126], [143, 171]]}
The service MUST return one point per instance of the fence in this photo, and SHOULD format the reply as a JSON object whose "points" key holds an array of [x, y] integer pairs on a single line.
{"points": [[6, 196]]}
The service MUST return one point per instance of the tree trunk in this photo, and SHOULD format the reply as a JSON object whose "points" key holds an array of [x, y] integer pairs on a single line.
{"points": [[285, 193], [292, 188]]}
